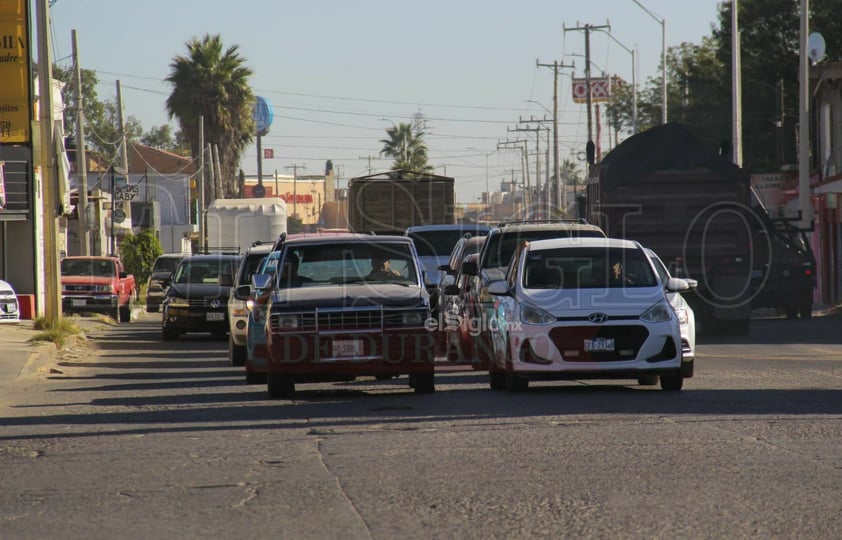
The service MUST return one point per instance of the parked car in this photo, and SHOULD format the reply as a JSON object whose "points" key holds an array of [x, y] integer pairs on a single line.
{"points": [[585, 308], [197, 299], [98, 285], [347, 306], [237, 311], [9, 308], [685, 314], [493, 260], [160, 278]]}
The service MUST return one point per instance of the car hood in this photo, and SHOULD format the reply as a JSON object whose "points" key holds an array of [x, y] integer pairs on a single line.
{"points": [[198, 290], [76, 280], [583, 302], [346, 296]]}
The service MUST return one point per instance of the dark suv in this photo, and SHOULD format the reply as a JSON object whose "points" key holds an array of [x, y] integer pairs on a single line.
{"points": [[491, 266], [197, 299], [162, 272]]}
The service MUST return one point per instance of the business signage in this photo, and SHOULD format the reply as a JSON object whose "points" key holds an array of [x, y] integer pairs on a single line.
{"points": [[601, 89], [14, 72]]}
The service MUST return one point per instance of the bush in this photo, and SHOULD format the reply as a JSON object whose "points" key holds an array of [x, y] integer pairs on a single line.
{"points": [[138, 254]]}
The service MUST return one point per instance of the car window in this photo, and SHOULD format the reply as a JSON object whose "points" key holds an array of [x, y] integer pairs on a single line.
{"points": [[437, 243], [501, 246], [661, 270], [250, 264], [165, 264], [331, 264], [206, 271], [587, 268]]}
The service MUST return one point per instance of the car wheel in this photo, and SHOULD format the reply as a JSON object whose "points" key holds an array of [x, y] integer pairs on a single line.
{"points": [[152, 308], [168, 334], [672, 382], [425, 383], [791, 312], [516, 383], [115, 314], [805, 311], [236, 353], [647, 380], [279, 386], [497, 380], [255, 377], [126, 311]]}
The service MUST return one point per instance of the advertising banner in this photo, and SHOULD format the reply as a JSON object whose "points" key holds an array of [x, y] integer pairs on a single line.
{"points": [[14, 72]]}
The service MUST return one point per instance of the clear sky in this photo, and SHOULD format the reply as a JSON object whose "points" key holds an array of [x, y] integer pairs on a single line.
{"points": [[338, 73]]}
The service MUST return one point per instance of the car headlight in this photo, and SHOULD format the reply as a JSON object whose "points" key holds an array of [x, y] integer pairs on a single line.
{"points": [[287, 321], [413, 318], [250, 304], [681, 313], [660, 312], [533, 315]]}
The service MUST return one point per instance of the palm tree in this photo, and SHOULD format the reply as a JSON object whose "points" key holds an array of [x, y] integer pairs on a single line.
{"points": [[213, 84], [405, 144]]}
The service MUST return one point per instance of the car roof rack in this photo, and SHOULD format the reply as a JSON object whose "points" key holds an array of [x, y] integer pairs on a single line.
{"points": [[219, 250]]}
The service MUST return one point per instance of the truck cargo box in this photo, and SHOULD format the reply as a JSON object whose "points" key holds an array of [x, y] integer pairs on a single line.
{"points": [[235, 224], [388, 203]]}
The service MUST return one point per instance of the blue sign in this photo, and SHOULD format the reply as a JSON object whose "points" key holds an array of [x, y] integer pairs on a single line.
{"points": [[263, 115]]}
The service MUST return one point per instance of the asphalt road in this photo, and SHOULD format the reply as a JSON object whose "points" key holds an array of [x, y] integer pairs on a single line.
{"points": [[164, 439]]}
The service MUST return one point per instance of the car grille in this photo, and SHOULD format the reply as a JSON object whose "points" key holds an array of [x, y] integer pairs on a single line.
{"points": [[206, 302], [570, 340], [330, 320], [79, 288]]}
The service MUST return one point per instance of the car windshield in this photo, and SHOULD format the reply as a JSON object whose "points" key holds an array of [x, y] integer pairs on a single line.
{"points": [[439, 243], [251, 263], [587, 268], [345, 263], [210, 272], [88, 267], [502, 246], [165, 264], [269, 263]]}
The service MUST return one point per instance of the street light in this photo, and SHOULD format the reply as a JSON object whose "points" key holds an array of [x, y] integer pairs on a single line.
{"points": [[634, 78], [487, 193], [663, 23]]}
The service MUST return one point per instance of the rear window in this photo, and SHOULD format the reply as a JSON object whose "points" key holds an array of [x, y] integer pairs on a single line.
{"points": [[439, 243], [166, 264], [502, 246]]}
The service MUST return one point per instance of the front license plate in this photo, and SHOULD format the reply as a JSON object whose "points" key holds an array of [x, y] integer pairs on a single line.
{"points": [[78, 303], [215, 317], [599, 345], [348, 348]]}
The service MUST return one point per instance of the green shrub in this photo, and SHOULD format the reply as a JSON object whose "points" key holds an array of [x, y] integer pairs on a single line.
{"points": [[139, 252]]}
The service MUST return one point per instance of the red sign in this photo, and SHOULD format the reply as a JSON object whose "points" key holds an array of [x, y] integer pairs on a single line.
{"points": [[268, 153], [298, 199], [601, 88]]}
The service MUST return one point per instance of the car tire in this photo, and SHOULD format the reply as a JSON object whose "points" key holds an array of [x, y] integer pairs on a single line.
{"points": [[516, 383], [255, 377], [279, 386], [152, 308], [805, 311], [672, 382], [236, 353], [425, 383], [497, 380], [168, 334], [647, 380], [126, 311]]}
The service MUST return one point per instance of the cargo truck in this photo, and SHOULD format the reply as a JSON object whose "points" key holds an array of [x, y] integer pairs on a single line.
{"points": [[391, 202], [233, 225]]}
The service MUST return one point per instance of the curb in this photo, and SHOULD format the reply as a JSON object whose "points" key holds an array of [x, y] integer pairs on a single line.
{"points": [[39, 360]]}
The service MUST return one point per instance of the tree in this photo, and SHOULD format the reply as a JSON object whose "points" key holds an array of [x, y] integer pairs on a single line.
{"points": [[405, 144], [138, 253], [212, 83], [162, 137]]}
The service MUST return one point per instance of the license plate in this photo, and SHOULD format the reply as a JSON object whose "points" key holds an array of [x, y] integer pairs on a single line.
{"points": [[348, 348], [599, 345], [78, 303], [215, 317]]}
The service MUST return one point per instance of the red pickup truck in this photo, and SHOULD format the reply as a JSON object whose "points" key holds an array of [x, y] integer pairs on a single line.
{"points": [[97, 284]]}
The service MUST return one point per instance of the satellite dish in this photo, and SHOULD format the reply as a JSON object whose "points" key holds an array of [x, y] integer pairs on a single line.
{"points": [[816, 47]]}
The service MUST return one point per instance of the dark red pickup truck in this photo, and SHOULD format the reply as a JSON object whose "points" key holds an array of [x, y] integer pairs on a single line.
{"points": [[97, 284]]}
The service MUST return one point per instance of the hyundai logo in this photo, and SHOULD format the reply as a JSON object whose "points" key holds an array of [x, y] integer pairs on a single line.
{"points": [[214, 303], [597, 318]]}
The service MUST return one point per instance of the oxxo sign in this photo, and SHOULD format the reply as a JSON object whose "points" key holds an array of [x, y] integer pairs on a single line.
{"points": [[601, 89]]}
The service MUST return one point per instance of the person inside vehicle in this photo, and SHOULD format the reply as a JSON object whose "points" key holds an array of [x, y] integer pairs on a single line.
{"points": [[381, 268], [289, 273]]}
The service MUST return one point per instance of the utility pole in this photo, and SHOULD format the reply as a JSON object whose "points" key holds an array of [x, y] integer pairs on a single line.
{"points": [[736, 87], [295, 168], [126, 205], [804, 204], [520, 144], [200, 217], [369, 158], [537, 131], [587, 29], [559, 195], [81, 155], [47, 161], [663, 23], [220, 190]]}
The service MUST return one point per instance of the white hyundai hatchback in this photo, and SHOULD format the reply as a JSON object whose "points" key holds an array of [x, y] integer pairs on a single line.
{"points": [[585, 308]]}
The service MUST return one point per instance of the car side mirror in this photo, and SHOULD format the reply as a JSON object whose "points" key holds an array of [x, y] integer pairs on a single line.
{"points": [[242, 292], [469, 268], [123, 275], [691, 283], [452, 290], [677, 285], [498, 288], [445, 268]]}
